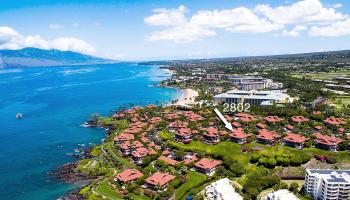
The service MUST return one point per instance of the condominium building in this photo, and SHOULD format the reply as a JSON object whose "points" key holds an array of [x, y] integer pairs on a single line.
{"points": [[252, 97], [221, 190], [280, 195], [327, 184]]}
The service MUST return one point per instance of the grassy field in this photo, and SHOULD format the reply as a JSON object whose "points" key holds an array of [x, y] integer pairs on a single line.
{"points": [[109, 147], [323, 75], [194, 180], [104, 190], [224, 149], [341, 100]]}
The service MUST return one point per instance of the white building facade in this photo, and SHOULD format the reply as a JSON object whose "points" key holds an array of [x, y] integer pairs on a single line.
{"points": [[221, 190], [327, 184]]}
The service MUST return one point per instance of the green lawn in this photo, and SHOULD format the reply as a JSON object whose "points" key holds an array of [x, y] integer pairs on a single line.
{"points": [[103, 189], [110, 149], [224, 149], [194, 179]]}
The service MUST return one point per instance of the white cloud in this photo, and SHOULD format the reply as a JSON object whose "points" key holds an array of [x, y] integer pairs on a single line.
{"points": [[303, 15], [56, 26], [340, 28], [301, 12], [295, 32], [337, 5], [181, 34], [11, 39], [235, 20], [167, 17]]}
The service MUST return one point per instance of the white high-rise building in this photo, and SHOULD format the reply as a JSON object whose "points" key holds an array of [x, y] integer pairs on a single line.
{"points": [[327, 184]]}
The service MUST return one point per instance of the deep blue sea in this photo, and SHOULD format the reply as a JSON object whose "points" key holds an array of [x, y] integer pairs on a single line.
{"points": [[55, 101]]}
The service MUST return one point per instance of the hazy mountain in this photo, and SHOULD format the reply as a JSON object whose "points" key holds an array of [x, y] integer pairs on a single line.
{"points": [[34, 57]]}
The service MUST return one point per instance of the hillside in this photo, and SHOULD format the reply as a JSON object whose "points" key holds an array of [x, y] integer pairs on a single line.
{"points": [[33, 57]]}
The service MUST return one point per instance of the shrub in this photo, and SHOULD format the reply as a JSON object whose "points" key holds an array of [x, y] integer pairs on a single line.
{"points": [[319, 157], [296, 161], [285, 162], [294, 187], [331, 160], [279, 160], [271, 163], [255, 158]]}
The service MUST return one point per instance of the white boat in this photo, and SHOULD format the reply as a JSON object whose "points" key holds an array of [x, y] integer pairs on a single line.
{"points": [[19, 116]]}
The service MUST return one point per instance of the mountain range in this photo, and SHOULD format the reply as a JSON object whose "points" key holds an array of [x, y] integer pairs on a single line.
{"points": [[34, 57]]}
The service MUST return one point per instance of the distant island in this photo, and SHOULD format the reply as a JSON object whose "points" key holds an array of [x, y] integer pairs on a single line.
{"points": [[34, 57]]}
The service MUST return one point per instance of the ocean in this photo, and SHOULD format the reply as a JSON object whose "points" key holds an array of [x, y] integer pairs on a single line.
{"points": [[54, 102]]}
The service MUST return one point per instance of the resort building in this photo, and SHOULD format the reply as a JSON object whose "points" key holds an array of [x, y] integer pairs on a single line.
{"points": [[128, 175], [239, 136], [299, 119], [176, 125], [327, 142], [267, 137], [127, 147], [168, 160], [260, 126], [183, 135], [138, 154], [326, 184], [211, 136], [334, 121], [118, 139], [252, 97], [159, 181], [207, 166], [273, 119], [294, 140], [221, 190], [280, 195]]}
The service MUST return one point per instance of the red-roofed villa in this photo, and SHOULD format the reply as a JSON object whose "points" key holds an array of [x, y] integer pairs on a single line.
{"points": [[128, 175], [267, 137], [159, 180], [207, 166], [294, 140]]}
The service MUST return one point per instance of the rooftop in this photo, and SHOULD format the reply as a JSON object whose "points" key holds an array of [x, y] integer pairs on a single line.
{"points": [[129, 175], [159, 178], [206, 163], [253, 94]]}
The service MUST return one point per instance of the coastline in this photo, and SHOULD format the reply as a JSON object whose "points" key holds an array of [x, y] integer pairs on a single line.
{"points": [[67, 173]]}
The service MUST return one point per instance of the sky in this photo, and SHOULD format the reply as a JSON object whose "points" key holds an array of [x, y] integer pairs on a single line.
{"points": [[134, 30]]}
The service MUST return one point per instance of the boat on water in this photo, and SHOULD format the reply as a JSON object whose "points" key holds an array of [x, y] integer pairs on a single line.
{"points": [[19, 116]]}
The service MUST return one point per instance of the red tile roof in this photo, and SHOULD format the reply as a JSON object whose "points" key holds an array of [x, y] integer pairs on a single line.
{"points": [[155, 120], [159, 179], [118, 116], [192, 116], [273, 119], [299, 119], [267, 135], [166, 152], [236, 124], [178, 124], [334, 121], [129, 175], [261, 125], [171, 116], [184, 132], [130, 145], [245, 117], [189, 160], [168, 160], [211, 132], [140, 152], [123, 137], [289, 127], [206, 163], [327, 140], [296, 138], [318, 127], [151, 106], [239, 133]]}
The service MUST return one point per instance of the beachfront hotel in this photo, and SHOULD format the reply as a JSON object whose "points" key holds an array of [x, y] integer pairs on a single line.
{"points": [[252, 97], [327, 184]]}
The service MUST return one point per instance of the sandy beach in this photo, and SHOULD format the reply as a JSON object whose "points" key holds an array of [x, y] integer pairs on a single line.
{"points": [[187, 98]]}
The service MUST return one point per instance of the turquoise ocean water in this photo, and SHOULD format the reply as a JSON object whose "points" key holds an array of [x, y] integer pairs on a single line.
{"points": [[55, 101]]}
